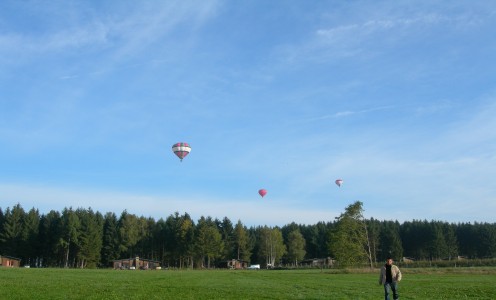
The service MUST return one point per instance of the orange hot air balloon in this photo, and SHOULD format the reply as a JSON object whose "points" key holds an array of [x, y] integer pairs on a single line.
{"points": [[339, 182], [262, 192]]}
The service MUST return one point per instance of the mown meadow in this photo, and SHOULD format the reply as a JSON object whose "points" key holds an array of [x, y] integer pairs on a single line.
{"points": [[460, 283]]}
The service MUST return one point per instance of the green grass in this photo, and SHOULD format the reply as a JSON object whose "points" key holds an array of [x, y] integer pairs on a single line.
{"points": [[460, 283]]}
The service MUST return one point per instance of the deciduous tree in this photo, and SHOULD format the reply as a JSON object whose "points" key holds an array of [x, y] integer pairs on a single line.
{"points": [[271, 245], [296, 246], [349, 240]]}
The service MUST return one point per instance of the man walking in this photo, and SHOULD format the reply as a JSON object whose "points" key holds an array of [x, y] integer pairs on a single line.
{"points": [[390, 276]]}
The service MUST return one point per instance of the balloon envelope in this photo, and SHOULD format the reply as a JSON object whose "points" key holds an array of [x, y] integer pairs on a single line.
{"points": [[262, 192], [339, 182], [181, 150]]}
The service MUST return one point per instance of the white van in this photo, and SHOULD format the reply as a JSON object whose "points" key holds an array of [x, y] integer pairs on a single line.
{"points": [[254, 267]]}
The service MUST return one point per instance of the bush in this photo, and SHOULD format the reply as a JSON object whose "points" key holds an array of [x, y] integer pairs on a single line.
{"points": [[489, 262]]}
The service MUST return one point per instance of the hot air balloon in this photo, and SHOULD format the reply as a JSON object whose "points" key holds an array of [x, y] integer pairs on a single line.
{"points": [[262, 192], [181, 150], [339, 182]]}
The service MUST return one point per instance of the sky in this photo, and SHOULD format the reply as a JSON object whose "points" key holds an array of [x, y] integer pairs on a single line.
{"points": [[397, 98]]}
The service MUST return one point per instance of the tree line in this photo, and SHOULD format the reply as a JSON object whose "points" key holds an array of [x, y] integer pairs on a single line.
{"points": [[83, 238]]}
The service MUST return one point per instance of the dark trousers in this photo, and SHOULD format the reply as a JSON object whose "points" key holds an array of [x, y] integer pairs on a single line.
{"points": [[391, 287]]}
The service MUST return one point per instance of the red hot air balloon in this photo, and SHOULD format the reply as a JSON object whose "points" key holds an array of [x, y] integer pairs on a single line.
{"points": [[262, 192], [181, 150], [339, 182]]}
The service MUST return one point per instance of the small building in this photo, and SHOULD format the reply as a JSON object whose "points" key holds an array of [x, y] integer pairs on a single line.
{"points": [[9, 261], [318, 262], [408, 260], [136, 263], [236, 264]]}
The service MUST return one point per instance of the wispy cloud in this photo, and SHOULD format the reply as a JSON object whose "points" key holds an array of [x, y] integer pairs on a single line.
{"points": [[348, 113], [67, 39], [374, 26], [122, 35], [370, 36]]}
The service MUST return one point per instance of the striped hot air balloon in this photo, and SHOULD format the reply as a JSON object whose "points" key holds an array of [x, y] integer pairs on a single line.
{"points": [[181, 150], [339, 182]]}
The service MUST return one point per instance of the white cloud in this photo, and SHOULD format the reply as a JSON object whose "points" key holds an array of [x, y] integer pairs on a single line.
{"points": [[347, 113], [360, 30], [370, 35]]}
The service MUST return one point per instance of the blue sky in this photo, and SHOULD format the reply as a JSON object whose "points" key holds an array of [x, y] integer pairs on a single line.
{"points": [[397, 98]]}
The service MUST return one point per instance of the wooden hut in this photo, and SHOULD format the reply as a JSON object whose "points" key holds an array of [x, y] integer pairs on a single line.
{"points": [[236, 264], [318, 262], [136, 263], [9, 261]]}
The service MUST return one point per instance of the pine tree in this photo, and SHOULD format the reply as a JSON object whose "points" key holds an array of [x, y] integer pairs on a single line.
{"points": [[208, 241], [110, 244], [13, 234], [128, 233], [90, 238], [241, 240], [49, 235], [31, 243], [227, 232], [69, 234]]}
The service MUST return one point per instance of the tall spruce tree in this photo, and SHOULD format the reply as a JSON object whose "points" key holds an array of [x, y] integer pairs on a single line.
{"points": [[487, 237], [13, 234], [208, 242], [69, 235], [161, 242], [49, 234], [451, 241], [390, 241], [183, 232], [241, 241], [32, 242], [90, 238], [227, 232], [110, 239], [128, 234]]}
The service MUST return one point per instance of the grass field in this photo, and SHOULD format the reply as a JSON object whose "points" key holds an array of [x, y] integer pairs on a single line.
{"points": [[461, 283]]}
